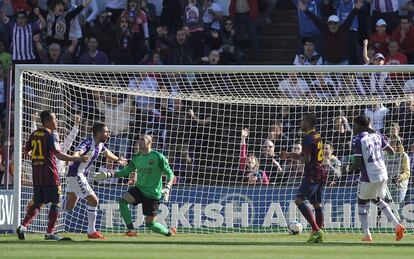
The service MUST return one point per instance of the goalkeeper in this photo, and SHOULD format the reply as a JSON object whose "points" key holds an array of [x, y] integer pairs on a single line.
{"points": [[150, 165]]}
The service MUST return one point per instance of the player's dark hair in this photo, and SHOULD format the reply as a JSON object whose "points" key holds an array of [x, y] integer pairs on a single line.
{"points": [[45, 116], [310, 118], [364, 121], [97, 127]]}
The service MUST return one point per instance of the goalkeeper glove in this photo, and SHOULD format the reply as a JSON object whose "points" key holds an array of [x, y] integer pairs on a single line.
{"points": [[166, 193], [103, 175]]}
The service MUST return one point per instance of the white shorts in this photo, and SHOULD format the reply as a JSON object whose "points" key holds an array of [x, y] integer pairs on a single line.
{"points": [[372, 191], [80, 186]]}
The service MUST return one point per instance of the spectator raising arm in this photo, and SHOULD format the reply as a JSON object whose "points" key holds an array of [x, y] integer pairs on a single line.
{"points": [[42, 21], [365, 52], [243, 148], [316, 20]]}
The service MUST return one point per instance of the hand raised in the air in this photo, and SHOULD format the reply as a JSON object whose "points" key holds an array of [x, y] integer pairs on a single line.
{"points": [[302, 6], [359, 4], [122, 161], [245, 133], [36, 38], [78, 119]]}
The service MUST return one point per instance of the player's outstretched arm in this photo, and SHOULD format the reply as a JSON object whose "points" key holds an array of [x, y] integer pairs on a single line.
{"points": [[64, 157], [295, 156], [122, 173], [122, 161]]}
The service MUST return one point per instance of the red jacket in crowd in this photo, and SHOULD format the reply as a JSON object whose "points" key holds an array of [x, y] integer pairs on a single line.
{"points": [[397, 59], [407, 45]]}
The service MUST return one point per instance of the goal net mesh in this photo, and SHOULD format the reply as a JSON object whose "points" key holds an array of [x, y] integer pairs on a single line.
{"points": [[222, 133]]}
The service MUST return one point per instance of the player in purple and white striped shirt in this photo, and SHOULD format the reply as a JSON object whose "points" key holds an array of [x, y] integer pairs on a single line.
{"points": [[21, 32], [367, 148], [78, 186]]}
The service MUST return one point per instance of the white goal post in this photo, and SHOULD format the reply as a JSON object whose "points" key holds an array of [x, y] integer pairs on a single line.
{"points": [[221, 128]]}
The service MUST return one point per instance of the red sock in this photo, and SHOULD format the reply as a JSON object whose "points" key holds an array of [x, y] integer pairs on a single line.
{"points": [[53, 216], [307, 213], [319, 217], [32, 211]]}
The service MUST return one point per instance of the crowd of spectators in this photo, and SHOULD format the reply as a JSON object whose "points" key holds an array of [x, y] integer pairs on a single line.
{"points": [[337, 30]]}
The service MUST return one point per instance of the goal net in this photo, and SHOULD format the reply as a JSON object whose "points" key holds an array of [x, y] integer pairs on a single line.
{"points": [[222, 130]]}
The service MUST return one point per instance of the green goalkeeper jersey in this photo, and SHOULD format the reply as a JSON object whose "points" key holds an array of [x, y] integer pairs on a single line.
{"points": [[150, 168]]}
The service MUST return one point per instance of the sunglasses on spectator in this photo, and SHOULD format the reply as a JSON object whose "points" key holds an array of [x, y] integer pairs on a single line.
{"points": [[332, 23], [229, 23], [269, 146]]}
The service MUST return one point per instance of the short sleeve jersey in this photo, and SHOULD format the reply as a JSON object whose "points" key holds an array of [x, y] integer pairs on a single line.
{"points": [[312, 146], [44, 147], [369, 146], [91, 149]]}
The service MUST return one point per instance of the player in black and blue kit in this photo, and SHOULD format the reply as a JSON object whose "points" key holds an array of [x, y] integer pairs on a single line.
{"points": [[314, 176]]}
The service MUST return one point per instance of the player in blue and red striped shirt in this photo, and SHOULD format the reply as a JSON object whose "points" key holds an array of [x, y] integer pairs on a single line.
{"points": [[314, 176], [43, 149]]}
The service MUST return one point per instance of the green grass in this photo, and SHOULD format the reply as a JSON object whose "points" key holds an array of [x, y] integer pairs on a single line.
{"points": [[240, 246]]}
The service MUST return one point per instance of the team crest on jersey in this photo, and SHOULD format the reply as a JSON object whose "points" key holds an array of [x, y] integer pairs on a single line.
{"points": [[151, 162]]}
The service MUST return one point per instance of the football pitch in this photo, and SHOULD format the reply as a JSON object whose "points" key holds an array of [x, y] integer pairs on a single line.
{"points": [[240, 246]]}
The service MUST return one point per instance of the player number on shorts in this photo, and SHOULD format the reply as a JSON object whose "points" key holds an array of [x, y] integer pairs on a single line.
{"points": [[320, 151], [37, 149]]}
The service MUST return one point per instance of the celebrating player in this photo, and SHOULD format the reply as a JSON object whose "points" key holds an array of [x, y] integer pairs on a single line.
{"points": [[78, 186], [43, 149], [314, 176], [150, 166], [367, 147]]}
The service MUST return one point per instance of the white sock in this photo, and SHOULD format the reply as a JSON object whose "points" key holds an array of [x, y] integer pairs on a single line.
{"points": [[387, 211], [363, 217], [92, 212]]}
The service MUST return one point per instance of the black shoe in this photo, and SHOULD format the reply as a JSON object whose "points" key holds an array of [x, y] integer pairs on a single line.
{"points": [[52, 237], [21, 232]]}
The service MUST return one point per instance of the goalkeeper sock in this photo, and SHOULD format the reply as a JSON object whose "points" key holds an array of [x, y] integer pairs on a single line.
{"points": [[53, 216], [92, 211], [158, 228], [307, 213], [319, 216], [387, 211], [30, 215], [363, 217], [125, 213]]}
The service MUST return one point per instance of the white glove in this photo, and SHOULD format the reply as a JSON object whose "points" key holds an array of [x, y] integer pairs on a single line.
{"points": [[103, 175], [166, 193]]}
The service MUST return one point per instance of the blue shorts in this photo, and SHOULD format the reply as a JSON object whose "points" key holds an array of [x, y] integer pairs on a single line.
{"points": [[311, 191]]}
